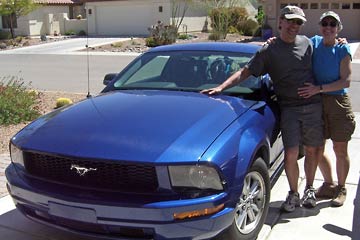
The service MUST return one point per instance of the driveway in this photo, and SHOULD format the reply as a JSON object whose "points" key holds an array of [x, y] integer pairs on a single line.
{"points": [[67, 46]]}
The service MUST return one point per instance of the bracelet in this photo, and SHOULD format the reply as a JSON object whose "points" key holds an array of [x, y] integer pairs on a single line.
{"points": [[321, 89]]}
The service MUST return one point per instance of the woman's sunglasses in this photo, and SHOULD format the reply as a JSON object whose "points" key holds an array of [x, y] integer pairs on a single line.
{"points": [[331, 24]]}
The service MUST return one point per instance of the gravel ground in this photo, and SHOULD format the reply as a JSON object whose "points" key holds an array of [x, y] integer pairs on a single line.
{"points": [[46, 104]]}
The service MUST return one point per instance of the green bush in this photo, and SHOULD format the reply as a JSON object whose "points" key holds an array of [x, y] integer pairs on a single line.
{"points": [[70, 33], [237, 14], [215, 36], [17, 103], [248, 27], [183, 36], [82, 33], [151, 42], [60, 102], [117, 44], [161, 34]]}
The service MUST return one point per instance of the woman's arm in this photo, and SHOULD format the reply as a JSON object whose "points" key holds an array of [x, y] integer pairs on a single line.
{"points": [[343, 82]]}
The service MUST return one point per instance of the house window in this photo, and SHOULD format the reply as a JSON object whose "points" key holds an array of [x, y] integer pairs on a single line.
{"points": [[160, 9], [345, 6], [314, 5], [335, 6], [6, 21], [304, 5], [356, 5], [324, 5], [293, 4]]}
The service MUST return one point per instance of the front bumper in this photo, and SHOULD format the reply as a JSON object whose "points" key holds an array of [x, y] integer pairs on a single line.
{"points": [[121, 219]]}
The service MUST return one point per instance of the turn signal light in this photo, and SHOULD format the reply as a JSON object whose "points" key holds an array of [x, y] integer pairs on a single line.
{"points": [[198, 213]]}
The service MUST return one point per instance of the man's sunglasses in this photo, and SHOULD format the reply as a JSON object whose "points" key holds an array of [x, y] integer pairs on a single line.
{"points": [[296, 21], [331, 24]]}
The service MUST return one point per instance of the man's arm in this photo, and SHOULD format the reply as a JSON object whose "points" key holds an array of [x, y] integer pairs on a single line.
{"points": [[233, 80]]}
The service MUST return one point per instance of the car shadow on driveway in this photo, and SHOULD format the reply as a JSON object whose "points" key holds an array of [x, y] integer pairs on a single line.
{"points": [[13, 225]]}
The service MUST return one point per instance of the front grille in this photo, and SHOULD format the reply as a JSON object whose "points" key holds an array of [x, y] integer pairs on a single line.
{"points": [[101, 174]]}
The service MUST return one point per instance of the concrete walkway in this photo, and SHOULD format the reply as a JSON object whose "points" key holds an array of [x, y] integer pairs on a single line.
{"points": [[68, 46]]}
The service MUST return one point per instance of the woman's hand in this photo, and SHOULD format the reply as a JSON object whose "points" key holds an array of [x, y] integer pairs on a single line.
{"points": [[212, 91], [270, 40], [308, 90]]}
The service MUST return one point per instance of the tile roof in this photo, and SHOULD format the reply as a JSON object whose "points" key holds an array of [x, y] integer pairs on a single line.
{"points": [[57, 2]]}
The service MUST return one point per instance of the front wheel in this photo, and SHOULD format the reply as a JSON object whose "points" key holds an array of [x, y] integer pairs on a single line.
{"points": [[253, 204]]}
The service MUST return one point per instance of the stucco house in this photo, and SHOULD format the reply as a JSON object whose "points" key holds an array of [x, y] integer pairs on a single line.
{"points": [[48, 18], [133, 17], [348, 10], [111, 17]]}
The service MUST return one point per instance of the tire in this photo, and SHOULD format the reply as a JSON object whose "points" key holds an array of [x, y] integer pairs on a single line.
{"points": [[253, 204]]}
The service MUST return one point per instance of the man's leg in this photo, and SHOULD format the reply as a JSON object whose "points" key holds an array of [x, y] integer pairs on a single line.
{"points": [[312, 156], [292, 173], [292, 167]]}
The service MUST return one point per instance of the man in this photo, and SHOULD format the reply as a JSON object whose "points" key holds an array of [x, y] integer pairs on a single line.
{"points": [[288, 62]]}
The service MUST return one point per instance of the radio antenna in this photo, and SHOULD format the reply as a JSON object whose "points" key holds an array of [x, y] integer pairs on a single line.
{"points": [[87, 54]]}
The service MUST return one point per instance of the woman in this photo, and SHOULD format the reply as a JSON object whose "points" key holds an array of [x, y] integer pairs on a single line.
{"points": [[332, 69]]}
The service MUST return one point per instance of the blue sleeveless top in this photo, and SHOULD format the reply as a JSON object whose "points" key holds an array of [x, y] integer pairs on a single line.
{"points": [[326, 62]]}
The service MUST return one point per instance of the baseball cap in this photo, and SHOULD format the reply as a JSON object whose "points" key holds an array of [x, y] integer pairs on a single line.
{"points": [[293, 12], [333, 15]]}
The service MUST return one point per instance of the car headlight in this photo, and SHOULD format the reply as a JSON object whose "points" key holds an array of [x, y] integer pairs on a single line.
{"points": [[195, 176], [16, 155]]}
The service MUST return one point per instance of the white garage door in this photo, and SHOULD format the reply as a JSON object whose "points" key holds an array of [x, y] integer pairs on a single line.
{"points": [[123, 20]]}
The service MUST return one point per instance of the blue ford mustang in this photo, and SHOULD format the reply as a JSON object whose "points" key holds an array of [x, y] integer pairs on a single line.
{"points": [[151, 157]]}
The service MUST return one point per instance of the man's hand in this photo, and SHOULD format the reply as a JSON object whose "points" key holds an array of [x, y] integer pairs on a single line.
{"points": [[212, 91], [308, 90], [342, 41]]}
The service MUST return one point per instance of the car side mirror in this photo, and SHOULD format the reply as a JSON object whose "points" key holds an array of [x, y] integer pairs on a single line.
{"points": [[108, 78]]}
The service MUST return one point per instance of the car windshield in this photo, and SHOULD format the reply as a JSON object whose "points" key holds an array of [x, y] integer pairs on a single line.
{"points": [[185, 71]]}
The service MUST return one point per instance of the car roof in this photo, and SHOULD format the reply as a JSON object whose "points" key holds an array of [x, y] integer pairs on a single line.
{"points": [[209, 46]]}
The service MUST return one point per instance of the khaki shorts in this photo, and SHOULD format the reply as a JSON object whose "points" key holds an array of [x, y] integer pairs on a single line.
{"points": [[302, 125], [339, 119]]}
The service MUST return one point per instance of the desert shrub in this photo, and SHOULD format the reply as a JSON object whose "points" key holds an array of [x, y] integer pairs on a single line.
{"points": [[161, 34], [60, 102], [248, 27], [232, 30], [184, 36], [151, 42], [215, 36], [70, 33], [17, 103], [237, 14], [81, 33], [117, 44], [225, 20]]}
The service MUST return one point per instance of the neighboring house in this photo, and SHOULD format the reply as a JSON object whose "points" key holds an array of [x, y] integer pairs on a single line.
{"points": [[134, 17], [112, 17], [49, 18], [349, 11]]}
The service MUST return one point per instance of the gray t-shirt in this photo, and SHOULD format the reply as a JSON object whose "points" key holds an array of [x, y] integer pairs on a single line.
{"points": [[289, 66]]}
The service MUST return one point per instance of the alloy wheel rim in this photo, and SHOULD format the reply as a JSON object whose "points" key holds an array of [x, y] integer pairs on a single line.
{"points": [[251, 203]]}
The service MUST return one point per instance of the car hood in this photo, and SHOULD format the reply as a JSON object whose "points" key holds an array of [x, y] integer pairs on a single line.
{"points": [[142, 126]]}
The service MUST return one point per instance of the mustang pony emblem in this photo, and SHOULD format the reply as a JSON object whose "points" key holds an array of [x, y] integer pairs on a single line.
{"points": [[81, 170]]}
